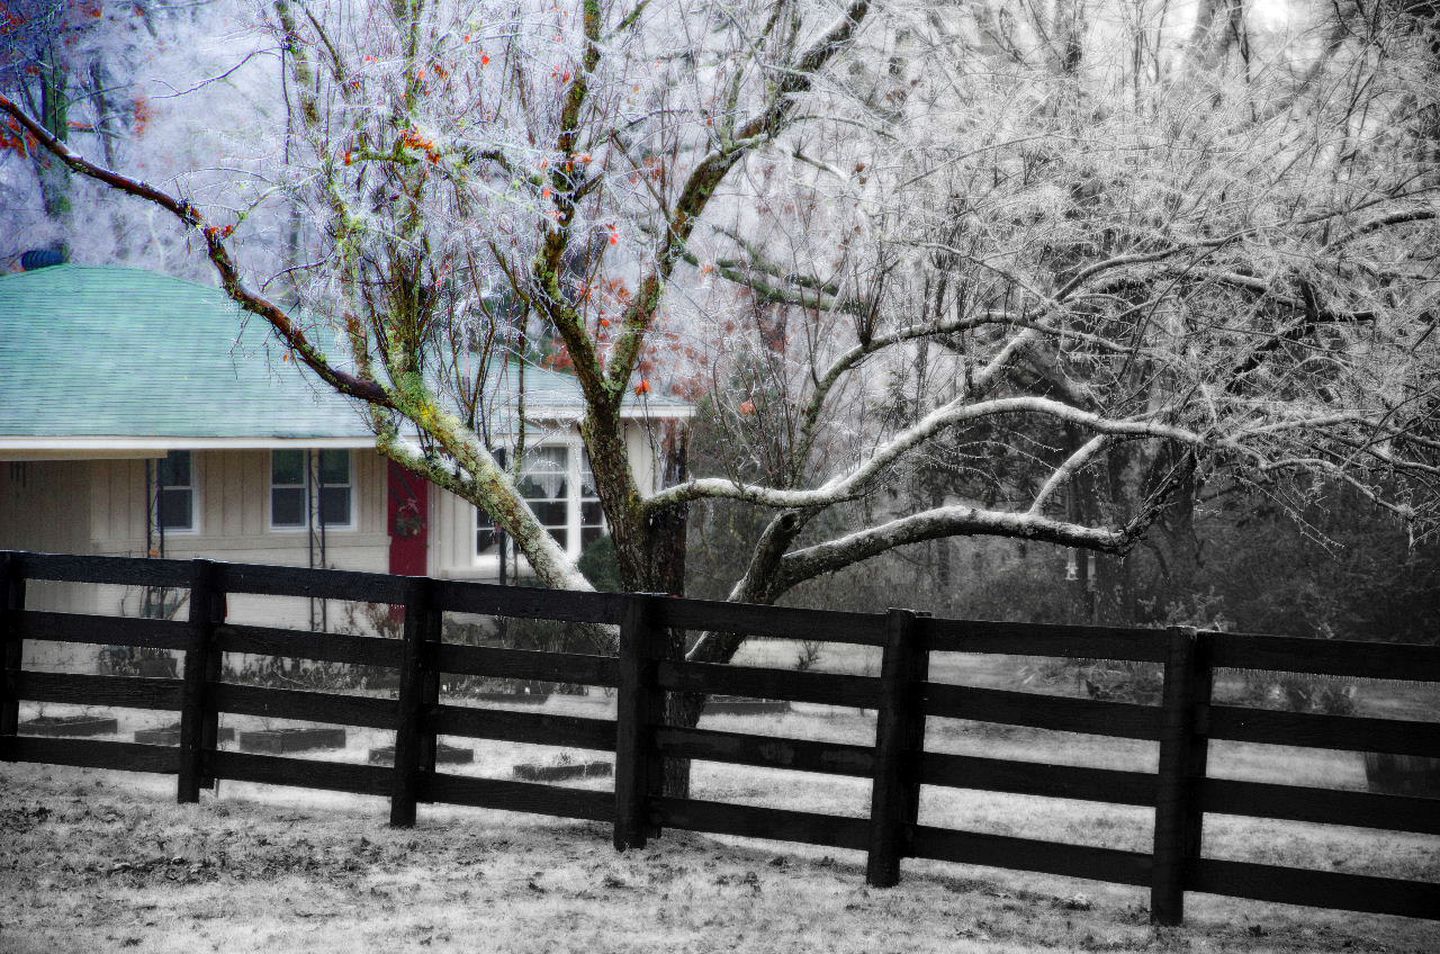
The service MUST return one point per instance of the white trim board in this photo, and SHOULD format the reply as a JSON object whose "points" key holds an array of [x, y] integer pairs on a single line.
{"points": [[62, 448]]}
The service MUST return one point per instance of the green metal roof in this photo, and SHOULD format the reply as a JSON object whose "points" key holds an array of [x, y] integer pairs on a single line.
{"points": [[105, 351], [124, 352]]}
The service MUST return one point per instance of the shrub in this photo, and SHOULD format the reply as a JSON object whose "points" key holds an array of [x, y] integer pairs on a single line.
{"points": [[1297, 692]]}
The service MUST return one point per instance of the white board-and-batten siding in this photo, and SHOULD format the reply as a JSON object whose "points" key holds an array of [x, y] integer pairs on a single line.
{"points": [[99, 507]]}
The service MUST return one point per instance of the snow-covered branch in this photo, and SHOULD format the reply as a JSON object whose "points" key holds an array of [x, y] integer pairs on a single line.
{"points": [[948, 521], [855, 483]]}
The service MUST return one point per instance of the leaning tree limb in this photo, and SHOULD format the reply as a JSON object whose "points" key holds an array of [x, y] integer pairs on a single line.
{"points": [[214, 238]]}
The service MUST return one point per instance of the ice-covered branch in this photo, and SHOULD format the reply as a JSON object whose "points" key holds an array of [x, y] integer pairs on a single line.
{"points": [[705, 179], [214, 238], [855, 483], [1067, 470], [949, 521]]}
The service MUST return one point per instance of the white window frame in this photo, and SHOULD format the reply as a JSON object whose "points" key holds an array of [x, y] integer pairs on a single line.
{"points": [[305, 453], [577, 502], [194, 487], [574, 447]]}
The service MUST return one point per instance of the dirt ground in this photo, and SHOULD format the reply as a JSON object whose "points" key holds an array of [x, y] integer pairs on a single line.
{"points": [[105, 861]]}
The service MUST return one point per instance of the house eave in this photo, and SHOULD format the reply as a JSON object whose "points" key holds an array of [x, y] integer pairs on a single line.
{"points": [[19, 448], [628, 412]]}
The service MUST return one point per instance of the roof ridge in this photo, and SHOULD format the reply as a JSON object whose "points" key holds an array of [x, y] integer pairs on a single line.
{"points": [[149, 274]]}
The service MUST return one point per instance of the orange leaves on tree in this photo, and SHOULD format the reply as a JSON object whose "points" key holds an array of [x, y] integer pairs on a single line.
{"points": [[747, 407], [614, 231], [558, 360], [412, 139], [14, 137], [484, 58], [349, 157], [10, 21], [142, 115], [643, 388], [617, 289]]}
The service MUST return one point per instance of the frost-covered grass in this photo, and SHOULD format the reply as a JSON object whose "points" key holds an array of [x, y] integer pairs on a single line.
{"points": [[105, 861]]}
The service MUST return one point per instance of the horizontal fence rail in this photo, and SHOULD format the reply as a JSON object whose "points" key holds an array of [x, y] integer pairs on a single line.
{"points": [[645, 669]]}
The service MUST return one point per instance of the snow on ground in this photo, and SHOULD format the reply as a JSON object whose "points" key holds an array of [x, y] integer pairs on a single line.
{"points": [[105, 861], [99, 861]]}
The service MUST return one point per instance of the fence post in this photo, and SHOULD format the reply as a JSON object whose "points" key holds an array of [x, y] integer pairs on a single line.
{"points": [[413, 756], [12, 601], [198, 718], [431, 631], [915, 729], [638, 705], [894, 790], [1178, 819]]}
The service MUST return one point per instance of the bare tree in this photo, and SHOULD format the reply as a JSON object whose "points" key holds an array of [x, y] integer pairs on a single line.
{"points": [[1113, 270]]}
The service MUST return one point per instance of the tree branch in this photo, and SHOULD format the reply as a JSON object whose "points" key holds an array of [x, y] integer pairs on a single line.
{"points": [[213, 236], [857, 481], [948, 521]]}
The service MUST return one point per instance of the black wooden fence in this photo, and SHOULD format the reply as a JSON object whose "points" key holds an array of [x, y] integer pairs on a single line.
{"points": [[1180, 793]]}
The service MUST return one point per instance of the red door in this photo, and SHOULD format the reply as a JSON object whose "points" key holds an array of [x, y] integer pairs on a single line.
{"points": [[408, 518]]}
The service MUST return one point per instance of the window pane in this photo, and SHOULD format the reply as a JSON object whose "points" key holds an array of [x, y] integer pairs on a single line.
{"points": [[334, 467], [544, 474], [550, 513], [562, 537], [335, 506], [590, 513], [589, 535], [487, 538], [174, 470], [287, 467], [587, 476], [287, 507], [175, 509]]}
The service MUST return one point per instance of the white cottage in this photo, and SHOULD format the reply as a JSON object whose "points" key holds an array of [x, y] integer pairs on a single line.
{"points": [[142, 414]]}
